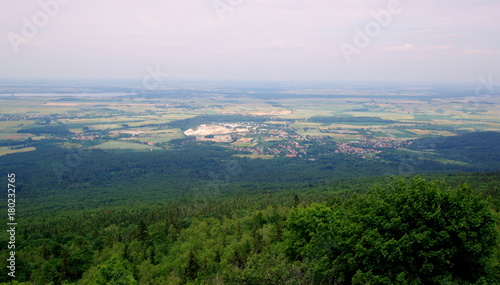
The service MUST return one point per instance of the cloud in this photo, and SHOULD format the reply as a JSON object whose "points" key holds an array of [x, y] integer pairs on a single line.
{"points": [[156, 42], [422, 31], [273, 45], [449, 36], [443, 47], [255, 40], [282, 44], [402, 48], [477, 51]]}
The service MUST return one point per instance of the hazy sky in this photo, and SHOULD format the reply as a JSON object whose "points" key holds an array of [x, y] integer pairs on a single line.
{"points": [[424, 40]]}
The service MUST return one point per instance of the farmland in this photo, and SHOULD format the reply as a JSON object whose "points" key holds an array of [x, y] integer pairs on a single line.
{"points": [[112, 121]]}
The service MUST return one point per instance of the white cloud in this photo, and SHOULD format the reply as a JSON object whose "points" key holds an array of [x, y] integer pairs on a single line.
{"points": [[477, 51], [443, 47], [401, 48], [295, 39], [279, 44]]}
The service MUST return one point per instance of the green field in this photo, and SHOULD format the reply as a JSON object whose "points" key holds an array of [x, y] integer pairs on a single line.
{"points": [[7, 150], [124, 145], [105, 117]]}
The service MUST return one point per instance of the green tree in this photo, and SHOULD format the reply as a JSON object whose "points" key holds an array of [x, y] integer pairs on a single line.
{"points": [[414, 232], [142, 231], [191, 268], [115, 271]]}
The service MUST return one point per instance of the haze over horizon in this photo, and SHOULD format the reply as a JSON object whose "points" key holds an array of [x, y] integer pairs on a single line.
{"points": [[451, 41]]}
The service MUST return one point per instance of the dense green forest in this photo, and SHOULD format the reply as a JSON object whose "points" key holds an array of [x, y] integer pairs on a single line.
{"points": [[477, 148], [58, 178], [55, 177], [412, 231], [197, 214], [59, 130]]}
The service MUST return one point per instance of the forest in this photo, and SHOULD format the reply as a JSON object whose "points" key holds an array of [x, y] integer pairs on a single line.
{"points": [[68, 178], [400, 231], [59, 130], [197, 214]]}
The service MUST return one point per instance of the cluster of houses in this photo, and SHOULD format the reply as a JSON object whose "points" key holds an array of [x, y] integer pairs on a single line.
{"points": [[382, 143], [280, 141], [85, 138], [347, 148], [292, 148], [43, 118]]}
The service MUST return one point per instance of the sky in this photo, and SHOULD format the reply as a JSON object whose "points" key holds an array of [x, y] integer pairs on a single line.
{"points": [[332, 40]]}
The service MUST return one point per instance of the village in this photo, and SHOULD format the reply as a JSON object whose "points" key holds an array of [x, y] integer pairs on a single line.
{"points": [[278, 138], [283, 140]]}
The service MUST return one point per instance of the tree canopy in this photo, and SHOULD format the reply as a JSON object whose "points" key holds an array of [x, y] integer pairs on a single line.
{"points": [[414, 232]]}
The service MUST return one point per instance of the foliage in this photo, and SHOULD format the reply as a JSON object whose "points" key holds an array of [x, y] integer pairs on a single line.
{"points": [[59, 130], [414, 232], [475, 148]]}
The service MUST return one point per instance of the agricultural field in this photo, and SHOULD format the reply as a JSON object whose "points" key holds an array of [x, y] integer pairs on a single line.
{"points": [[120, 122], [123, 145], [8, 150]]}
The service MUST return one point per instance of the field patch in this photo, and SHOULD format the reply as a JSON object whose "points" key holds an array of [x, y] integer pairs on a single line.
{"points": [[124, 145], [431, 132], [261, 156], [6, 150]]}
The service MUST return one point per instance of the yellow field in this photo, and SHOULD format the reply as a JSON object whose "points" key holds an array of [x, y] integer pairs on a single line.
{"points": [[96, 121], [275, 122], [306, 124], [124, 145], [105, 127], [9, 124], [262, 156], [7, 150], [431, 132]]}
